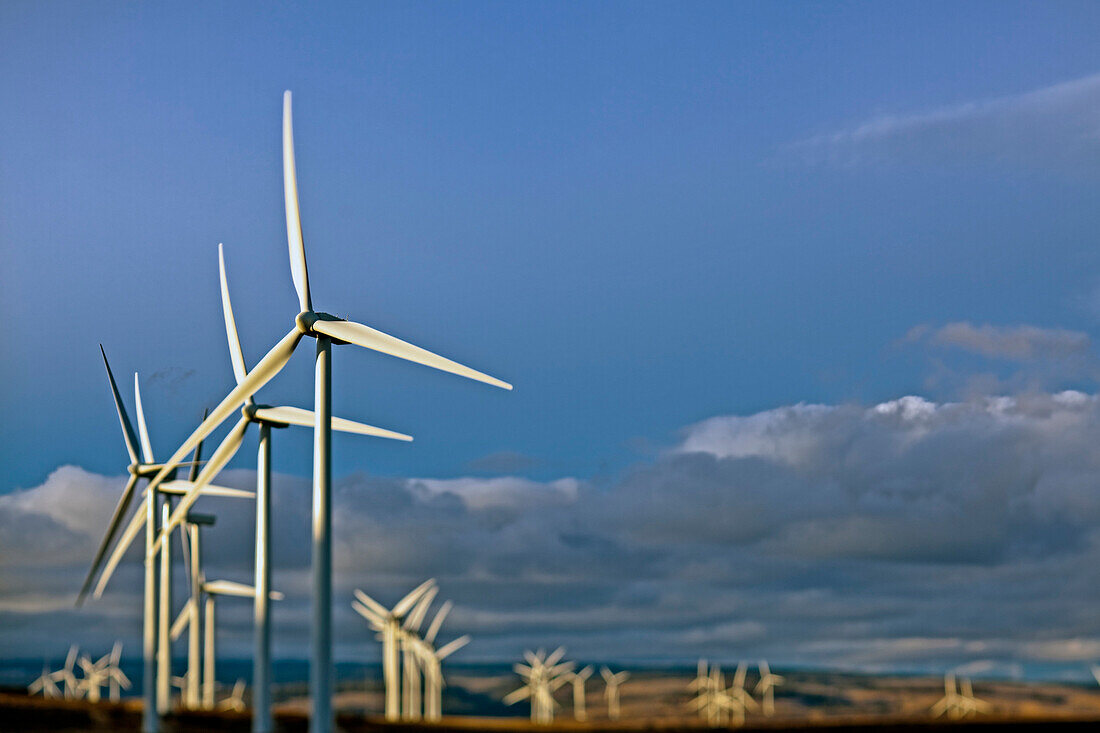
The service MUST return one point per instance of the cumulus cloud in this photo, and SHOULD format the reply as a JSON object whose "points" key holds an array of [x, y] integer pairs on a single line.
{"points": [[906, 533], [1056, 125]]}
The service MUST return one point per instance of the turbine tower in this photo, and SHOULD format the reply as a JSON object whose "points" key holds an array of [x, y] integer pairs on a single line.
{"points": [[542, 676], [430, 660], [326, 330]]}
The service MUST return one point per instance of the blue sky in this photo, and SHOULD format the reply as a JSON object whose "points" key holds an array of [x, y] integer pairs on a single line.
{"points": [[643, 215]]}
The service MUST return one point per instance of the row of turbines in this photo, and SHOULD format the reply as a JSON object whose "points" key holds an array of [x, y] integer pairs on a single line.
{"points": [[412, 670], [544, 674], [719, 704], [166, 501], [64, 683]]}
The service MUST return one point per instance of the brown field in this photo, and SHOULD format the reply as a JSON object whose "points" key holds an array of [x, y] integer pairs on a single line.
{"points": [[650, 702]]}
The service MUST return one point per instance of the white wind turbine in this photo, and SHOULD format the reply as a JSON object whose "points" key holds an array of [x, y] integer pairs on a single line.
{"points": [[766, 688], [951, 703], [45, 685], [430, 660], [409, 636], [734, 700], [611, 691], [155, 637], [578, 679], [66, 676], [268, 417], [707, 685], [327, 330], [542, 676], [95, 677], [970, 704], [116, 678], [235, 701], [388, 623]]}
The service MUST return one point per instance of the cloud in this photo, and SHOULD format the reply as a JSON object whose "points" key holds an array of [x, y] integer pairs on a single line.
{"points": [[1057, 125], [1015, 343], [909, 533]]}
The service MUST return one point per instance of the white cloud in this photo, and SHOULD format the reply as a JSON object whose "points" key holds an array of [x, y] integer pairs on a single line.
{"points": [[1056, 125]]}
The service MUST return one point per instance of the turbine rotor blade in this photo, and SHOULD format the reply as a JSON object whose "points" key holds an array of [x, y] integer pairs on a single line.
{"points": [[196, 457], [221, 456], [132, 529], [233, 588], [293, 216], [305, 418], [416, 617], [452, 647], [370, 338], [112, 527], [183, 487], [261, 374], [235, 353], [146, 446], [127, 429], [433, 629], [412, 597], [372, 604]]}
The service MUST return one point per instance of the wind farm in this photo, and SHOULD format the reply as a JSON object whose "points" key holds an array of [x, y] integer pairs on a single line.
{"points": [[762, 350]]}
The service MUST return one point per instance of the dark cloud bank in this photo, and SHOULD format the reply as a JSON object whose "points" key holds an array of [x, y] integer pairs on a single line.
{"points": [[901, 535]]}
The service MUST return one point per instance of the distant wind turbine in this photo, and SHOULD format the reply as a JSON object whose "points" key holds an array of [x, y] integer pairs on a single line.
{"points": [[766, 688], [388, 623], [613, 681], [578, 679]]}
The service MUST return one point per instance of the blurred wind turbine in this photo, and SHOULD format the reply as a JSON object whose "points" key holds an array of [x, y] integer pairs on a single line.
{"points": [[1096, 673], [707, 685], [734, 699], [766, 688], [44, 684], [611, 691], [951, 703], [970, 704], [327, 330], [578, 679], [430, 660], [542, 676], [388, 623], [235, 701], [410, 630], [95, 676], [66, 676]]}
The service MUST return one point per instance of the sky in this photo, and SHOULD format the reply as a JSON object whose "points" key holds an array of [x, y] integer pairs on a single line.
{"points": [[798, 300]]}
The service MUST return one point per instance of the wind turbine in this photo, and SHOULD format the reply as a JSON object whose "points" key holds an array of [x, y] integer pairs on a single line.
{"points": [[95, 676], [213, 589], [268, 417], [430, 660], [734, 699], [410, 637], [388, 623], [951, 703], [578, 679], [44, 684], [116, 678], [542, 676], [707, 685], [141, 466], [611, 691], [69, 683], [326, 329], [235, 701], [766, 688], [970, 705]]}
